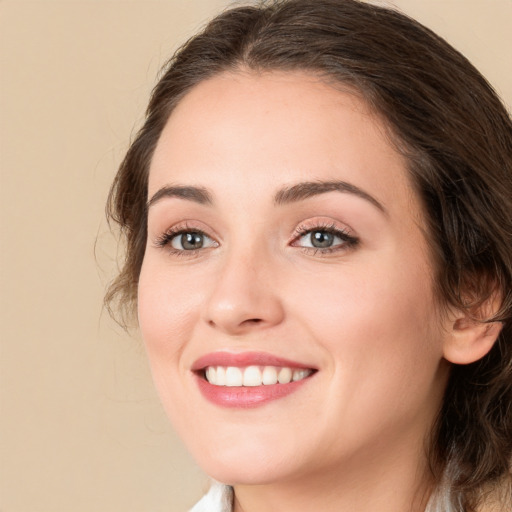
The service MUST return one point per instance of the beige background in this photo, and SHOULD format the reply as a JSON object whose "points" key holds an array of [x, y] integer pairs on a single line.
{"points": [[81, 427]]}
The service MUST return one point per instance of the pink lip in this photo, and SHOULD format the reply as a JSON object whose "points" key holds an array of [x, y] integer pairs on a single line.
{"points": [[244, 397], [244, 359]]}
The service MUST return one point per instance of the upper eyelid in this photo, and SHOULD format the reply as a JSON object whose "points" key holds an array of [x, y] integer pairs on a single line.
{"points": [[188, 226], [324, 224], [300, 230]]}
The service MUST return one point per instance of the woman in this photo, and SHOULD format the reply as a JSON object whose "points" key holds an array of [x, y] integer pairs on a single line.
{"points": [[318, 218]]}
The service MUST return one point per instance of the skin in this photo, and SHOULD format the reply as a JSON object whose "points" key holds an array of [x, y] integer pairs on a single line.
{"points": [[363, 315]]}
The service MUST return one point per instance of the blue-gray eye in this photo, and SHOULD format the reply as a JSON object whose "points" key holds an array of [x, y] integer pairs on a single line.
{"points": [[191, 240], [322, 239]]}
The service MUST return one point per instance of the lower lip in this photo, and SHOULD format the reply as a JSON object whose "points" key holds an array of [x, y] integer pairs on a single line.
{"points": [[246, 396]]}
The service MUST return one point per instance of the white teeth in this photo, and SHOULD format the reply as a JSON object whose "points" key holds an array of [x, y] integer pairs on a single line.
{"points": [[252, 376], [299, 374], [269, 376], [220, 376], [232, 376], [211, 374], [285, 376]]}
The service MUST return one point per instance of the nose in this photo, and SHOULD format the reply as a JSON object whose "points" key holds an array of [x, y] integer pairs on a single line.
{"points": [[245, 296]]}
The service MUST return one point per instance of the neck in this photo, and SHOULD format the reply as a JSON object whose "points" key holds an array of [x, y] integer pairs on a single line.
{"points": [[387, 482]]}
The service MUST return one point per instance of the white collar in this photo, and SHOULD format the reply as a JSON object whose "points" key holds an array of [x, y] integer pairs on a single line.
{"points": [[218, 499]]}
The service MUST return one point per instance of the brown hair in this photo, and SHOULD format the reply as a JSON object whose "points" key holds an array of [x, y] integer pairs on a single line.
{"points": [[457, 137]]}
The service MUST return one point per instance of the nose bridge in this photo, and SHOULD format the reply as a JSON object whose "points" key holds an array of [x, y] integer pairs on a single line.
{"points": [[244, 295]]}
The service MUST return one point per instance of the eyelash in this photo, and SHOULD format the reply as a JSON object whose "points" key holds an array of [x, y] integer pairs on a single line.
{"points": [[349, 241], [165, 240]]}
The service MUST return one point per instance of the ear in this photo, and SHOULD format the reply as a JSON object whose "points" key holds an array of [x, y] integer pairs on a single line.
{"points": [[470, 338]]}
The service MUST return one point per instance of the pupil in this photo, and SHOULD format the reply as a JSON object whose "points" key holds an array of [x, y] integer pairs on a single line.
{"points": [[322, 239], [191, 241]]}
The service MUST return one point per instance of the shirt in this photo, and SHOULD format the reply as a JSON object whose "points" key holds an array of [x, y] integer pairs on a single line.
{"points": [[220, 499]]}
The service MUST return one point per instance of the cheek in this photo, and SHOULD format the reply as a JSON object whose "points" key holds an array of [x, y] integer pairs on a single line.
{"points": [[167, 311], [379, 297], [382, 345], [378, 318]]}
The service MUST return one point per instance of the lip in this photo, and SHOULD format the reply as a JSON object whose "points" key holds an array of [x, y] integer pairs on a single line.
{"points": [[242, 396], [243, 359]]}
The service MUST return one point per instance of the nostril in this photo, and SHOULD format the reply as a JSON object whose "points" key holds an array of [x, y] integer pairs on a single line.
{"points": [[248, 321]]}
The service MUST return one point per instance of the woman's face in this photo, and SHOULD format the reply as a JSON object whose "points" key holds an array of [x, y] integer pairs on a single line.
{"points": [[285, 242]]}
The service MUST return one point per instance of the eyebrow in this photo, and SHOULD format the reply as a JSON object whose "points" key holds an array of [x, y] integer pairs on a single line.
{"points": [[308, 189], [286, 195], [196, 194]]}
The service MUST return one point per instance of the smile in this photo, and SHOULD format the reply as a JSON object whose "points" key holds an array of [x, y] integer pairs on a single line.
{"points": [[246, 380], [252, 376]]}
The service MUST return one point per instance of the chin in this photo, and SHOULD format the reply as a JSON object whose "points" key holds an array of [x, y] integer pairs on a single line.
{"points": [[244, 473], [243, 463]]}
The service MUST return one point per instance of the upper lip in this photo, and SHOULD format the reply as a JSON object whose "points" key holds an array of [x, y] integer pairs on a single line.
{"points": [[243, 359]]}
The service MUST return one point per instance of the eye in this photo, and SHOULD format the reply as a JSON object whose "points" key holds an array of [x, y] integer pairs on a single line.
{"points": [[190, 241], [319, 239], [185, 240], [324, 238]]}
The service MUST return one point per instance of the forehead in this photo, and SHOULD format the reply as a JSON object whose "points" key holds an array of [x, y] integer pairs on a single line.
{"points": [[271, 129]]}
